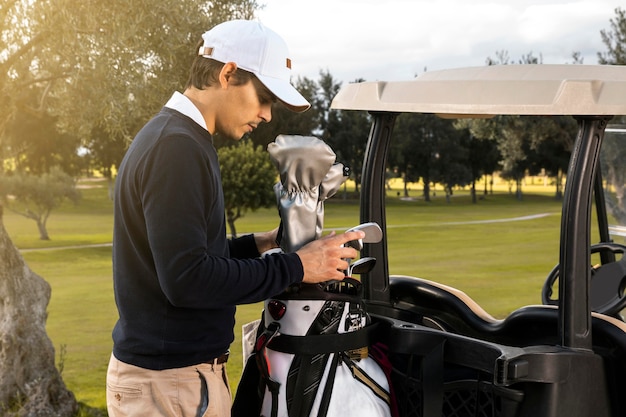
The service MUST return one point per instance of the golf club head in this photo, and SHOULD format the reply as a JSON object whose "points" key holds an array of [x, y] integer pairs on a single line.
{"points": [[362, 266], [373, 234]]}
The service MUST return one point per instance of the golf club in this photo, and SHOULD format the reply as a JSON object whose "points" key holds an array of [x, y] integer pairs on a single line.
{"points": [[362, 266], [373, 234]]}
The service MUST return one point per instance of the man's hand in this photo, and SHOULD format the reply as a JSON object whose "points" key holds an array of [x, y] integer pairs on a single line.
{"points": [[266, 241], [325, 259]]}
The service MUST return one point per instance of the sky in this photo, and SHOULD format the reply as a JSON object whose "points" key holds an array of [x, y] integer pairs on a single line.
{"points": [[389, 40]]}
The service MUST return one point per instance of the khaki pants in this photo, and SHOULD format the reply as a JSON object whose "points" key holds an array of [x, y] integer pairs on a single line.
{"points": [[138, 392]]}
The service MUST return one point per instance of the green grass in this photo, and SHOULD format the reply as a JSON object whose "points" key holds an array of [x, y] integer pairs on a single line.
{"points": [[502, 265], [81, 315]]}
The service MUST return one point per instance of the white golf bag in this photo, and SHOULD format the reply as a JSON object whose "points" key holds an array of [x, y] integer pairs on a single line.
{"points": [[313, 354]]}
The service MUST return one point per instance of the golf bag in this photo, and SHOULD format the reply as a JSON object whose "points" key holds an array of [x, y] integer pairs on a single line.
{"points": [[312, 354]]}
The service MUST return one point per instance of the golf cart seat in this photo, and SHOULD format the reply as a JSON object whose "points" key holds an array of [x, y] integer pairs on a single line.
{"points": [[472, 341], [436, 305]]}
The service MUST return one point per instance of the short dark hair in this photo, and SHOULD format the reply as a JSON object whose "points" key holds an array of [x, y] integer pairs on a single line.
{"points": [[205, 72]]}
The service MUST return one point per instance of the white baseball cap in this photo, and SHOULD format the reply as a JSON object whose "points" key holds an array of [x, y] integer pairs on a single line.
{"points": [[259, 50]]}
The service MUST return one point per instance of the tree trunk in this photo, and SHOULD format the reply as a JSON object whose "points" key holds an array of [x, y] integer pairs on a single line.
{"points": [[406, 188], [518, 189], [111, 188], [231, 217], [30, 384], [473, 191], [233, 229], [43, 232], [559, 181]]}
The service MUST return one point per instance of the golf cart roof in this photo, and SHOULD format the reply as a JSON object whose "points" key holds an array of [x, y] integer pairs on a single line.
{"points": [[492, 90]]}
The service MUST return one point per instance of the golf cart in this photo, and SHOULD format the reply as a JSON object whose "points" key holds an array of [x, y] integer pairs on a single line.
{"points": [[564, 358]]}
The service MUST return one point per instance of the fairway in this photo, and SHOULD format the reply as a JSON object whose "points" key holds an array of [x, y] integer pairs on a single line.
{"points": [[498, 251]]}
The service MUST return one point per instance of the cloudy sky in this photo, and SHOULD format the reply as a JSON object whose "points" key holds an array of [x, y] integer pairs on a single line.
{"points": [[398, 39]]}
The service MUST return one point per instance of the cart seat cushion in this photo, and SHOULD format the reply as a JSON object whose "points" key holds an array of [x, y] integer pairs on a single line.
{"points": [[454, 311]]}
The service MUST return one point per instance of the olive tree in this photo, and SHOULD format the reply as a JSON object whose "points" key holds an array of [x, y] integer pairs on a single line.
{"points": [[35, 196], [101, 69]]}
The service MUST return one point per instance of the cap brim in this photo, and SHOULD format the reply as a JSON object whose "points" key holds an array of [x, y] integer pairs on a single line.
{"points": [[286, 93]]}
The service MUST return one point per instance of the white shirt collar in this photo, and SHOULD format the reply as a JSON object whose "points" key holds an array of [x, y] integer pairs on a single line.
{"points": [[182, 104]]}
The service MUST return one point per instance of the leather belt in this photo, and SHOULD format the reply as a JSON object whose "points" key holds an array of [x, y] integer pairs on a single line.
{"points": [[219, 360]]}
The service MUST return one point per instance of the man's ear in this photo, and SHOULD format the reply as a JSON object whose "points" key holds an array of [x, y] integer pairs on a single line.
{"points": [[226, 73]]}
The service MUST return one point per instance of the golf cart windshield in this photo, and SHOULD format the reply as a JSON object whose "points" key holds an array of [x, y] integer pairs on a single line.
{"points": [[613, 163]]}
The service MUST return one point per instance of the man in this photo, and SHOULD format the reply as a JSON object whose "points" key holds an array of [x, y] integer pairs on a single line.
{"points": [[177, 278]]}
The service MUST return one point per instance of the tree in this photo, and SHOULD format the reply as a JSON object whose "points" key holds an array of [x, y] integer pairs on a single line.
{"points": [[483, 161], [350, 140], [484, 156], [502, 58], [248, 178], [106, 151], [345, 131], [137, 53], [486, 149], [329, 119], [614, 40], [452, 166], [551, 143], [35, 197], [512, 137], [410, 150], [428, 147], [26, 77], [100, 65], [36, 145]]}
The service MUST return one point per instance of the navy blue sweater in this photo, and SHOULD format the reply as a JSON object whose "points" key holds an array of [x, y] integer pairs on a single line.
{"points": [[177, 278]]}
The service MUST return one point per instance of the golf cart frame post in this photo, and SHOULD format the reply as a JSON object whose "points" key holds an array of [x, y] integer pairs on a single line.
{"points": [[555, 371]]}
